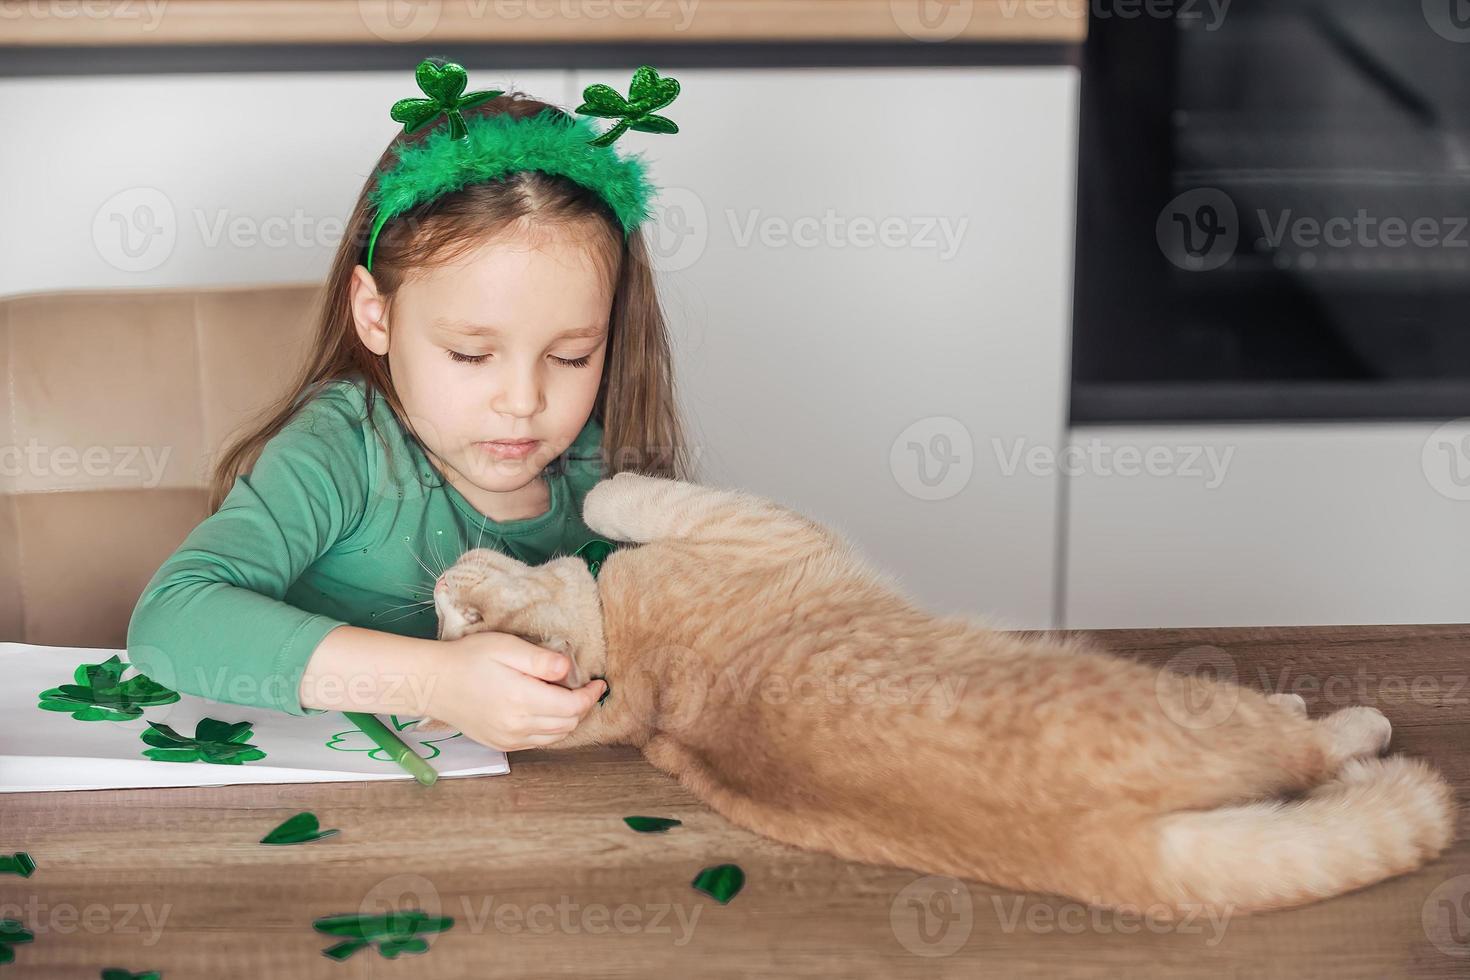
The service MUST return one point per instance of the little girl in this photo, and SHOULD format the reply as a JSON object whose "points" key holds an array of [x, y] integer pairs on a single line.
{"points": [[491, 345]]}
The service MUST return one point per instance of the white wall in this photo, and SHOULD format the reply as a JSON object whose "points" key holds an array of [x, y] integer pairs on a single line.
{"points": [[860, 379], [862, 382], [135, 181]]}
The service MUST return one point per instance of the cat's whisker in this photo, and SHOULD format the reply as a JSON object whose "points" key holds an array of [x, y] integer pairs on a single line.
{"points": [[432, 574], [412, 587], [464, 544], [405, 605], [395, 618], [411, 611]]}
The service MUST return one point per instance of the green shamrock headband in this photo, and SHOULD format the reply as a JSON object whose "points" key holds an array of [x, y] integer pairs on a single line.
{"points": [[486, 148]]}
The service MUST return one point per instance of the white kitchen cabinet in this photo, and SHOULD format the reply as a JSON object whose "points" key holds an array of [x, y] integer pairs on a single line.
{"points": [[1289, 525], [868, 274]]}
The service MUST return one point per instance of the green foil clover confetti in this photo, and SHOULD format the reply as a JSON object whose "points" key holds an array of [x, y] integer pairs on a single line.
{"points": [[393, 933], [118, 973], [594, 553], [213, 741], [357, 740], [100, 694], [300, 829], [12, 933], [720, 881], [19, 863], [646, 93], [443, 83], [652, 825]]}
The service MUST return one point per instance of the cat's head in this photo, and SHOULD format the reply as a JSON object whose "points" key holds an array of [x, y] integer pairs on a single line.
{"points": [[554, 605]]}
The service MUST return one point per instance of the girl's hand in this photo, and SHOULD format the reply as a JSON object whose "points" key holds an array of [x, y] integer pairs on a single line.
{"points": [[500, 690]]}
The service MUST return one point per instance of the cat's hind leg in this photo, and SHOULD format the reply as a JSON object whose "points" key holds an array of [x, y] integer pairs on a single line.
{"points": [[1291, 702], [643, 509], [1358, 732]]}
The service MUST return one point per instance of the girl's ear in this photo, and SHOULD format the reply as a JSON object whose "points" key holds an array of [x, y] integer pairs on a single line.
{"points": [[369, 311]]}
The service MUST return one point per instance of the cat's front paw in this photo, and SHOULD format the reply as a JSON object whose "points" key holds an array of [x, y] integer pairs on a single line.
{"points": [[611, 507]]}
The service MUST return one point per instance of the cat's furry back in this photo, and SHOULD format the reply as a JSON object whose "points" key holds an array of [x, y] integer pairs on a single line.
{"points": [[755, 656]]}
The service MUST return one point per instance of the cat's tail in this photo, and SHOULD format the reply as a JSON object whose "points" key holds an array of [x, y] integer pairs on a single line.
{"points": [[1376, 818]]}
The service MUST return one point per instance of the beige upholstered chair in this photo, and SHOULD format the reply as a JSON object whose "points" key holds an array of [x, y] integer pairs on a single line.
{"points": [[114, 407]]}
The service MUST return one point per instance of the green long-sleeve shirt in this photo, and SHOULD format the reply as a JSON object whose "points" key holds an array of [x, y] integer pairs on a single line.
{"points": [[328, 528]]}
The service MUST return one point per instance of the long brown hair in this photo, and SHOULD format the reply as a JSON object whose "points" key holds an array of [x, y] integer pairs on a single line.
{"points": [[635, 405]]}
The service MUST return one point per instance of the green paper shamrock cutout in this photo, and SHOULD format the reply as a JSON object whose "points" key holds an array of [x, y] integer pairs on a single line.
{"points": [[443, 84], [646, 93], [652, 825], [19, 863], [720, 881], [213, 741], [300, 829], [12, 933], [118, 973], [394, 933], [99, 695], [357, 740]]}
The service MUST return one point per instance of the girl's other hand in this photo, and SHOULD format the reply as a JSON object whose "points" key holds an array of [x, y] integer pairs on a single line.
{"points": [[501, 691]]}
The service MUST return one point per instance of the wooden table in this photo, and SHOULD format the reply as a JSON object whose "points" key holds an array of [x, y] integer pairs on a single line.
{"points": [[543, 878]]}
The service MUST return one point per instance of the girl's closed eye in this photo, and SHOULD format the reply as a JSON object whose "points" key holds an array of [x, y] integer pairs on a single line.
{"points": [[578, 362]]}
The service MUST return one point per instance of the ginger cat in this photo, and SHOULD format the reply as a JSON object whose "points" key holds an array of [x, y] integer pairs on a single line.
{"points": [[736, 640]]}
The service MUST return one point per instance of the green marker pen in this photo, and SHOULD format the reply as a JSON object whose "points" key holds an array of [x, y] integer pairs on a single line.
{"points": [[397, 748]]}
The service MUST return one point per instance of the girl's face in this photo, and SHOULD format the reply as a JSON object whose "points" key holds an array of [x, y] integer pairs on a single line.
{"points": [[505, 343]]}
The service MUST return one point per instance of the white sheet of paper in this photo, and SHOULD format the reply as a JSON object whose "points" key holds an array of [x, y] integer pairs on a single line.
{"points": [[51, 750]]}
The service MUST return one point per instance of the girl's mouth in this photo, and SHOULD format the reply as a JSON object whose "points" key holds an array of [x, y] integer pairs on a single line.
{"points": [[515, 449]]}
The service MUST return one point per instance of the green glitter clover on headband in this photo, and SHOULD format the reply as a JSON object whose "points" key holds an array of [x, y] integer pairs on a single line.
{"points": [[443, 84], [489, 147]]}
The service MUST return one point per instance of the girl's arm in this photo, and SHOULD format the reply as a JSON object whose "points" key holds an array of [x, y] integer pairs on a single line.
{"points": [[357, 669], [496, 688], [212, 621]]}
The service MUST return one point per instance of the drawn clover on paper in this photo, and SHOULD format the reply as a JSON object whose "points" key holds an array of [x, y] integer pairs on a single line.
{"points": [[99, 694], [213, 741], [394, 933], [357, 740]]}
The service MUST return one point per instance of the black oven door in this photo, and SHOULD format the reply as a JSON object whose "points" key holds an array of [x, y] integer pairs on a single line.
{"points": [[1273, 203]]}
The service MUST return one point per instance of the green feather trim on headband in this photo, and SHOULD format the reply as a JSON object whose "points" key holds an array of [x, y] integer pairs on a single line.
{"points": [[501, 144]]}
